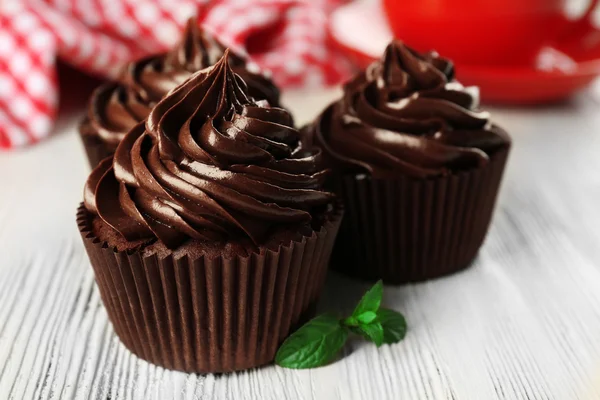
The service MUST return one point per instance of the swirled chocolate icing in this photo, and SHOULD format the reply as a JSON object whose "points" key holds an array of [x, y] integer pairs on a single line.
{"points": [[209, 164], [155, 76], [406, 115], [115, 108]]}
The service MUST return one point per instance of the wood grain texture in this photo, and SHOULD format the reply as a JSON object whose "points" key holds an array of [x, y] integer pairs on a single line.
{"points": [[522, 323]]}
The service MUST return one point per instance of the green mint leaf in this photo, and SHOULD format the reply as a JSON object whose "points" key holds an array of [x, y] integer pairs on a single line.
{"points": [[367, 317], [314, 344], [370, 301], [393, 323], [373, 332], [351, 321]]}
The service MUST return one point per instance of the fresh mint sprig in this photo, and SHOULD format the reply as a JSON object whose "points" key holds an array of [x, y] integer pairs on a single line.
{"points": [[319, 341]]}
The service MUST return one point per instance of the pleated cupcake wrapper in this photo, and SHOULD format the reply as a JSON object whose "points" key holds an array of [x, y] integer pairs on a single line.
{"points": [[210, 314], [411, 230], [95, 149]]}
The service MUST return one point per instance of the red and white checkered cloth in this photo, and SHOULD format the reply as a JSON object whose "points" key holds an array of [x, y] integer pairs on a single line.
{"points": [[287, 37]]}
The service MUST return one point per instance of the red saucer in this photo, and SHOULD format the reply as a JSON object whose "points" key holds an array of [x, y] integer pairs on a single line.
{"points": [[361, 30]]}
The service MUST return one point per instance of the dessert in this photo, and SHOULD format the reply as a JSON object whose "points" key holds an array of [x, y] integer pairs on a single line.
{"points": [[417, 164], [209, 231]]}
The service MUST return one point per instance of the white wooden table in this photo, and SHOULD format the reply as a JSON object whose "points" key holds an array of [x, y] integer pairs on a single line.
{"points": [[522, 323]]}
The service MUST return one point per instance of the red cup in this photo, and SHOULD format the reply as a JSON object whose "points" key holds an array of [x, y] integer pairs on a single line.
{"points": [[482, 32]]}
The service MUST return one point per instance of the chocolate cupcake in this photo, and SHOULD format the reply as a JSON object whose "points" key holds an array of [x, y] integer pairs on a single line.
{"points": [[417, 164], [209, 232], [115, 108]]}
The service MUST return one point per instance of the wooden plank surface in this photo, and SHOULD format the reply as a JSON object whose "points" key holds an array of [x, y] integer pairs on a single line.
{"points": [[522, 323]]}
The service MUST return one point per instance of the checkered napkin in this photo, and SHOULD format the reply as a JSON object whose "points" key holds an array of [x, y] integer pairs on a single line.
{"points": [[287, 37]]}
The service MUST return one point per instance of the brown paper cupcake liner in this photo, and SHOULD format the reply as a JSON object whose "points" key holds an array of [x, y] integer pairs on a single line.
{"points": [[95, 149], [210, 314], [408, 230]]}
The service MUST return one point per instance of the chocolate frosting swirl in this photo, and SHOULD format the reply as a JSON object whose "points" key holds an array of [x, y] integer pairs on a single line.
{"points": [[153, 77], [210, 164], [115, 108], [406, 115]]}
